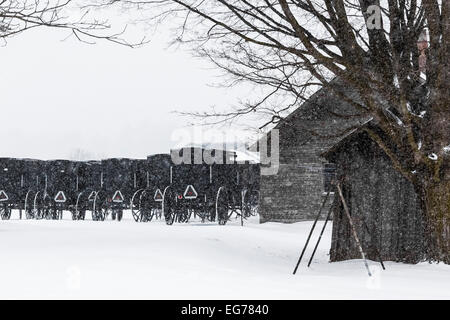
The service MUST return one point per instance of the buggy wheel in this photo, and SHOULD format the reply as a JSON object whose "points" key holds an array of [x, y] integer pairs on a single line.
{"points": [[158, 213], [28, 205], [152, 213], [222, 205], [184, 216], [119, 214], [78, 213], [210, 210], [36, 213], [99, 212], [135, 206], [149, 207], [41, 206], [145, 210], [54, 213], [168, 207], [57, 214], [48, 212], [254, 202], [5, 212], [250, 203]]}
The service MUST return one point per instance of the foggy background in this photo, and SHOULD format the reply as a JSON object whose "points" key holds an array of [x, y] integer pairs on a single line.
{"points": [[70, 100]]}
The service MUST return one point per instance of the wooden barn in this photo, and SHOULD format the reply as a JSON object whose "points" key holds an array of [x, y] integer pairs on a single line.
{"points": [[382, 202], [383, 205], [297, 191]]}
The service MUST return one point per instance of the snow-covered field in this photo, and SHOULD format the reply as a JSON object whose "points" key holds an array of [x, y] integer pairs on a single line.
{"points": [[86, 259]]}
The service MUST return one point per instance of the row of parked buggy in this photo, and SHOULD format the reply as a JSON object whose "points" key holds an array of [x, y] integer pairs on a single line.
{"points": [[151, 188]]}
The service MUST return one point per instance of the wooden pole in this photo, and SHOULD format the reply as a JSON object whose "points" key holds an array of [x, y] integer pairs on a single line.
{"points": [[310, 232], [374, 245], [321, 234], [355, 235], [371, 238]]}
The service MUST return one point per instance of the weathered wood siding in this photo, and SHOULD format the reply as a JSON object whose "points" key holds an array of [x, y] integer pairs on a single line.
{"points": [[377, 194], [296, 192]]}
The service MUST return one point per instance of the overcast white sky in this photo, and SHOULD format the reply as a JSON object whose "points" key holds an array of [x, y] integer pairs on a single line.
{"points": [[108, 100]]}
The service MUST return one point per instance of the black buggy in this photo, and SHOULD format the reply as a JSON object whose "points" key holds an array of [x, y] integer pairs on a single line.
{"points": [[210, 191], [146, 202], [12, 187], [119, 181], [151, 187], [56, 189], [33, 172], [89, 181]]}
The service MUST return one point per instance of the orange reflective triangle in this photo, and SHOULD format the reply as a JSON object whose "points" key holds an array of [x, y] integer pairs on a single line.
{"points": [[190, 192], [118, 197], [158, 195], [3, 195], [60, 197]]}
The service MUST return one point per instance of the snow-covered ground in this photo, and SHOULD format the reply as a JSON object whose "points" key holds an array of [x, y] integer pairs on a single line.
{"points": [[87, 259]]}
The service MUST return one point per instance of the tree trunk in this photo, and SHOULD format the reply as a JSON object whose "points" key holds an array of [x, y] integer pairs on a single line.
{"points": [[437, 218]]}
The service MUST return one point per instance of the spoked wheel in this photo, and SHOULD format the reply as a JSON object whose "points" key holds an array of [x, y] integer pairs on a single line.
{"points": [[168, 207], [79, 212], [148, 213], [117, 213], [99, 208], [157, 213], [212, 213], [222, 205], [48, 211], [37, 206], [150, 208], [250, 203], [207, 212], [41, 206], [28, 205], [254, 202], [5, 212], [184, 216], [153, 213], [56, 212], [135, 205], [204, 215]]}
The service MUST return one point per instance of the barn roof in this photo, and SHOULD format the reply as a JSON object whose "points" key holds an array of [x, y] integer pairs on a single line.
{"points": [[351, 136], [322, 104]]}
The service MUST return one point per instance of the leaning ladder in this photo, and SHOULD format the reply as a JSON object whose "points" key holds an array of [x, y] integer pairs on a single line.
{"points": [[354, 233]]}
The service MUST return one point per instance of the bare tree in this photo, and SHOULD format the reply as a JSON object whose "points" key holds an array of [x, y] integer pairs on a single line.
{"points": [[291, 46], [17, 16]]}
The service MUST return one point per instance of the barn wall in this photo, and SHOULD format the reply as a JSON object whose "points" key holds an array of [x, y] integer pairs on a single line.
{"points": [[382, 198], [296, 192]]}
